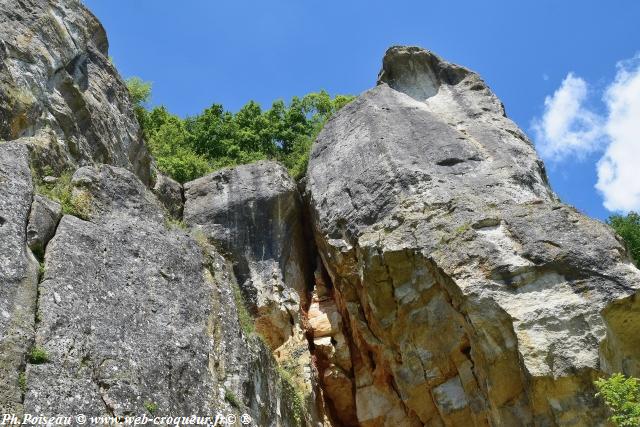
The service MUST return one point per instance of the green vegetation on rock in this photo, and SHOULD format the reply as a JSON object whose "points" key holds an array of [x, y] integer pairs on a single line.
{"points": [[244, 317], [622, 396], [629, 228], [38, 356], [231, 399], [292, 394], [22, 382], [77, 204], [151, 407], [188, 148]]}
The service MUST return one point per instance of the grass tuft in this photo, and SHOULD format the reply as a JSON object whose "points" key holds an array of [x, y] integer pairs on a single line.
{"points": [[152, 407], [244, 317], [38, 356], [73, 203], [22, 382]]}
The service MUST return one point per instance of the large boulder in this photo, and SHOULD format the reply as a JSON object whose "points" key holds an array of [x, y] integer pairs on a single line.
{"points": [[122, 308], [469, 293], [57, 83], [43, 221]]}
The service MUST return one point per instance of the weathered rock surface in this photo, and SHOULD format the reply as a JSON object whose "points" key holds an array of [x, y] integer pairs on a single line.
{"points": [[18, 273], [331, 351], [254, 214], [169, 192], [470, 295], [43, 220], [132, 313], [449, 286], [57, 83], [122, 304]]}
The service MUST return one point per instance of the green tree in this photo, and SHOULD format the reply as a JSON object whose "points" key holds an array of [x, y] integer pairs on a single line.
{"points": [[139, 91], [168, 140], [188, 148], [140, 95], [622, 396], [628, 227]]}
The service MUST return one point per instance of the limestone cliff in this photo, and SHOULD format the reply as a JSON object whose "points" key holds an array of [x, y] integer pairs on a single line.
{"points": [[115, 308], [469, 293], [422, 273]]}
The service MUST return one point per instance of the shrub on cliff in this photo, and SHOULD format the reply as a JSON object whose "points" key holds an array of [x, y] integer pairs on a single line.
{"points": [[622, 396], [140, 94], [188, 148], [629, 228]]}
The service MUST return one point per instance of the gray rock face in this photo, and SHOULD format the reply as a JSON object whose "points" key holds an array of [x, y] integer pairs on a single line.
{"points": [[43, 220], [244, 366], [455, 267], [169, 192], [133, 313], [254, 212], [18, 274], [123, 309], [56, 82], [452, 287]]}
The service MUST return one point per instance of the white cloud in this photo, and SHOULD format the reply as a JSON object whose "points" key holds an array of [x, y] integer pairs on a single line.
{"points": [[619, 168], [567, 126], [568, 129]]}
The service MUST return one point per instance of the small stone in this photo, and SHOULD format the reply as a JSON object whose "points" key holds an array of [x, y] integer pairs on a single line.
{"points": [[50, 179]]}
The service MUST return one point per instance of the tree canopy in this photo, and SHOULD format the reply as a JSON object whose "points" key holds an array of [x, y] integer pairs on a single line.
{"points": [[189, 148]]}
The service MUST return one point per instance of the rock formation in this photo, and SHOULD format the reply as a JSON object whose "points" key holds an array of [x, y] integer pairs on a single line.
{"points": [[58, 83], [469, 293], [426, 274], [253, 213], [128, 312]]}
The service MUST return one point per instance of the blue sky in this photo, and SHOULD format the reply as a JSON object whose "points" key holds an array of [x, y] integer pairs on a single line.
{"points": [[199, 52]]}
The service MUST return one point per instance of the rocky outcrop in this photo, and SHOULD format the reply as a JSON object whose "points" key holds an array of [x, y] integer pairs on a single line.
{"points": [[169, 192], [57, 83], [43, 221], [111, 287], [130, 312], [253, 213], [135, 315], [429, 275], [18, 274], [470, 295]]}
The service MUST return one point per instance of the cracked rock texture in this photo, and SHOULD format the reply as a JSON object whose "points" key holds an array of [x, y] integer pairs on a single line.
{"points": [[469, 293], [18, 273], [254, 214], [57, 83], [132, 312], [43, 220], [427, 274]]}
